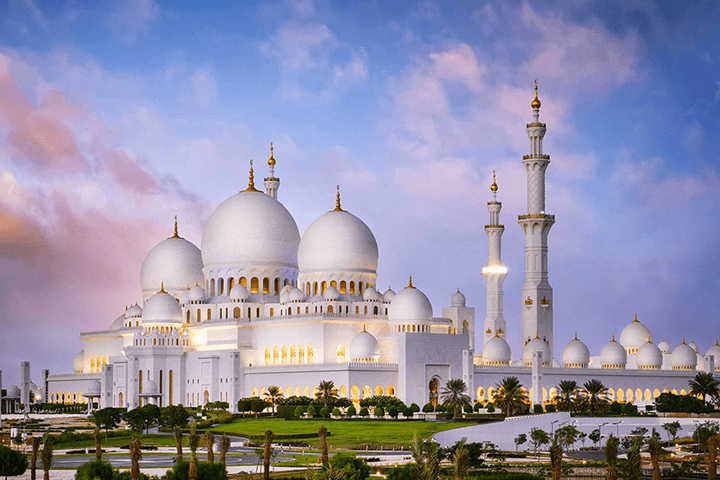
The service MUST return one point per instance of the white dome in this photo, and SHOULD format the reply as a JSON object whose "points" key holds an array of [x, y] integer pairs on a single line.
{"points": [[536, 345], [151, 388], [664, 346], [693, 345], [410, 305], [239, 292], [364, 348], [649, 357], [576, 354], [197, 294], [613, 355], [93, 389], [286, 289], [296, 295], [162, 308], [284, 296], [371, 295], [331, 293], [134, 311], [184, 297], [118, 323], [715, 351], [683, 357], [338, 242], [173, 263], [458, 299], [634, 336], [250, 229], [496, 352], [12, 392], [79, 362], [388, 295]]}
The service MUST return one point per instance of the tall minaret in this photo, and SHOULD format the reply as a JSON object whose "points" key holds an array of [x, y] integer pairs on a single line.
{"points": [[537, 294], [272, 183], [494, 272]]}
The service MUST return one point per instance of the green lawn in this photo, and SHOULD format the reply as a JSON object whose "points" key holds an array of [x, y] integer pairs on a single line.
{"points": [[342, 433], [159, 440]]}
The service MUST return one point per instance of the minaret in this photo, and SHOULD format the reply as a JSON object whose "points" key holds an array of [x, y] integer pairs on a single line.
{"points": [[494, 272], [272, 183], [537, 294]]}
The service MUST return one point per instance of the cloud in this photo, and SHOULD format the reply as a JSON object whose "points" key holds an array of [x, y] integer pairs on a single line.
{"points": [[303, 8], [300, 46], [36, 14], [130, 19], [204, 87], [354, 72]]}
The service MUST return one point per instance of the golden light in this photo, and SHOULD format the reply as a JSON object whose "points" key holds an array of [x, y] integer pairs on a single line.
{"points": [[495, 269]]}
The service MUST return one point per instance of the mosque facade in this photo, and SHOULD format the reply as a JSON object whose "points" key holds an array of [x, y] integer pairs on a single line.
{"points": [[259, 305]]}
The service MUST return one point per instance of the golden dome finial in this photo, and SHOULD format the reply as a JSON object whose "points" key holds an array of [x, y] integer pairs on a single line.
{"points": [[162, 287], [251, 181], [410, 285], [575, 335], [337, 201], [175, 232], [536, 101], [613, 338], [636, 320], [494, 186], [364, 328], [683, 341], [271, 160]]}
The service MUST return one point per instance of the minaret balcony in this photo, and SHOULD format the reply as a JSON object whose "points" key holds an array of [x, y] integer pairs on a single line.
{"points": [[530, 216], [531, 125], [542, 156], [494, 226]]}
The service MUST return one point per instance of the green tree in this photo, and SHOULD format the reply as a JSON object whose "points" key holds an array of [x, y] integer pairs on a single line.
{"points": [[461, 460], [224, 447], [454, 395], [177, 435], [322, 433], [634, 462], [511, 396], [672, 429], [106, 418], [209, 444], [427, 459], [556, 453], [274, 395], [142, 418], [135, 457], [326, 392], [95, 470], [566, 398], [594, 400], [349, 467], [34, 443], [539, 437], [655, 449], [12, 462], [566, 436], [594, 436], [705, 385], [712, 448], [267, 453], [519, 440], [46, 456], [174, 416], [611, 452], [98, 444]]}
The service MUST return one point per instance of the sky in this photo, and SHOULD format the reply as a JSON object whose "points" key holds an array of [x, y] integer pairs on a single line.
{"points": [[116, 116]]}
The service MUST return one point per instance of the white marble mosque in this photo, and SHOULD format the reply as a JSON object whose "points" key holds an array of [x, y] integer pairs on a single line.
{"points": [[259, 304]]}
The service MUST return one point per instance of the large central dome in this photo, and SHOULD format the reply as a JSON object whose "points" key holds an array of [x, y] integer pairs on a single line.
{"points": [[250, 229]]}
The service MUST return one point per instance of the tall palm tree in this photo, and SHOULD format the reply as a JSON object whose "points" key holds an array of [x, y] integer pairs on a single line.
{"points": [[210, 443], [46, 457], [556, 453], [454, 395], [566, 398], [98, 444], [611, 452], [655, 449], [224, 447], [135, 457], [705, 384], [322, 433], [510, 396], [713, 442], [427, 459], [326, 391], [274, 395], [634, 462], [595, 400], [177, 434], [267, 453], [193, 441], [461, 460], [34, 443]]}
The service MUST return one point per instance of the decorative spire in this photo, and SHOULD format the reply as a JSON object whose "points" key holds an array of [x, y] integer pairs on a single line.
{"points": [[410, 285], [251, 181], [494, 186], [271, 160], [683, 341], [536, 334], [364, 328], [636, 320], [162, 287], [613, 338], [575, 335], [175, 232], [536, 101], [337, 201]]}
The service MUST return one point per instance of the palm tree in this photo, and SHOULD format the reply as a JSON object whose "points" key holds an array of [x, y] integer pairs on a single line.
{"points": [[46, 456], [210, 443], [35, 443], [634, 462], [705, 384], [427, 459], [98, 444], [322, 433], [453, 395], [595, 393], [713, 442], [274, 395], [269, 436], [566, 398], [611, 451], [556, 453], [135, 456], [326, 391], [510, 395], [461, 460], [193, 441], [655, 449], [224, 447], [177, 434]]}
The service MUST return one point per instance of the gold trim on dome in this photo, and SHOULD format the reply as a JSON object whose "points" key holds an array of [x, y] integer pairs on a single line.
{"points": [[271, 160], [337, 201], [410, 285], [536, 101], [251, 181], [175, 232], [162, 288], [636, 320], [494, 186], [363, 330]]}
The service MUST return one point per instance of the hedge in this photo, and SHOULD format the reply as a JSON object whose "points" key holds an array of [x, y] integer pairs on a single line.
{"points": [[288, 411]]}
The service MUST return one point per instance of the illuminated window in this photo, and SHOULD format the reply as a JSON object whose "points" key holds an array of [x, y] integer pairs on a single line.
{"points": [[352, 287], [236, 312], [310, 354], [323, 287], [277, 286], [266, 285], [333, 284], [343, 286], [243, 281], [254, 285]]}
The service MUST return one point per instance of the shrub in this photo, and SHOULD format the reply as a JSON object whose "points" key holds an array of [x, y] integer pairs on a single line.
{"points": [[352, 467], [477, 406], [468, 408], [428, 408], [95, 469], [258, 406], [206, 471], [550, 408], [325, 412], [415, 408], [336, 412], [127, 475], [12, 462], [403, 472], [393, 411], [245, 404], [363, 412], [298, 400], [311, 411], [379, 411], [440, 408], [629, 409], [490, 407], [615, 408], [408, 412], [351, 411], [537, 408], [299, 411], [384, 401], [290, 411]]}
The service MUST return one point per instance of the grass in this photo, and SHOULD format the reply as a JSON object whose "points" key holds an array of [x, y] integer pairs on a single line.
{"points": [[157, 440], [344, 434]]}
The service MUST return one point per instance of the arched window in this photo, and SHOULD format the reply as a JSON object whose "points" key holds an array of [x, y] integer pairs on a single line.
{"points": [[298, 310], [92, 364], [310, 354], [212, 287], [199, 314], [307, 310], [340, 353], [343, 391], [257, 311], [355, 391], [433, 391], [352, 287], [272, 312], [333, 284], [391, 391], [105, 362], [357, 310], [301, 354], [379, 391], [359, 288], [276, 355], [365, 310], [367, 391], [293, 355], [209, 314], [254, 285], [268, 358], [231, 284], [277, 286], [323, 287], [330, 309], [284, 355], [466, 327], [188, 317], [243, 281], [266, 285], [315, 288], [236, 312], [307, 289], [375, 310], [140, 380], [249, 312], [343, 286], [221, 286]]}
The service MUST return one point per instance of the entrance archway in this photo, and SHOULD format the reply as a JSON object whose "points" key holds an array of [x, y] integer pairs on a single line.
{"points": [[433, 391], [206, 397]]}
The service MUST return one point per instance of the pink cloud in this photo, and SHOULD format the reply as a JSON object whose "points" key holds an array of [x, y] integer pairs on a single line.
{"points": [[126, 171]]}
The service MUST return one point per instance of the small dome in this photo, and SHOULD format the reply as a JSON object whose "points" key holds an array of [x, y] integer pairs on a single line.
{"points": [[162, 308], [536, 345], [331, 293], [664, 346], [371, 295], [239, 292], [184, 297], [118, 323], [286, 289], [93, 388], [151, 388], [496, 352], [13, 392], [388, 295], [715, 352], [364, 348], [683, 357], [79, 362], [649, 357], [576, 354], [174, 263], [693, 345], [634, 336], [296, 295], [613, 355], [410, 305], [134, 312], [197, 294], [458, 299]]}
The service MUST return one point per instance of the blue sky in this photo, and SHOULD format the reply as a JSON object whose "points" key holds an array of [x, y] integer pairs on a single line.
{"points": [[115, 117]]}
